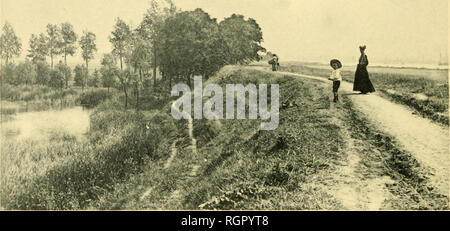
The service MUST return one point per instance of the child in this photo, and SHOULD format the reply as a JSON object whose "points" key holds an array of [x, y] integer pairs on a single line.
{"points": [[336, 77]]}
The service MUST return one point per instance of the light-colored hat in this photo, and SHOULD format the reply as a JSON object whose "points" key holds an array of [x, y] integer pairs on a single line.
{"points": [[333, 61]]}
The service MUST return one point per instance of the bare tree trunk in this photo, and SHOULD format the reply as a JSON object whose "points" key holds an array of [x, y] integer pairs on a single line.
{"points": [[154, 65], [137, 97], [126, 97], [124, 88], [61, 89], [87, 72], [188, 79], [121, 62]]}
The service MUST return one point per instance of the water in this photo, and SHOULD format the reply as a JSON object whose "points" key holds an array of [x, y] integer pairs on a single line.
{"points": [[42, 124]]}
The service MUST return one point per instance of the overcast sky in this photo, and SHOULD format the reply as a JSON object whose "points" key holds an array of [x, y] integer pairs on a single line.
{"points": [[395, 31]]}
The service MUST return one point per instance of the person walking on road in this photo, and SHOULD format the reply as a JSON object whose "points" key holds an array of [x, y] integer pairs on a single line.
{"points": [[362, 81], [274, 61]]}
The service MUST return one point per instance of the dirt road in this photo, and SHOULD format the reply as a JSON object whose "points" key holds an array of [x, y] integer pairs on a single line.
{"points": [[425, 140]]}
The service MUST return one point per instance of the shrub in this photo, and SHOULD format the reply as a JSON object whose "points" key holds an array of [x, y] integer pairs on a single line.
{"points": [[93, 98]]}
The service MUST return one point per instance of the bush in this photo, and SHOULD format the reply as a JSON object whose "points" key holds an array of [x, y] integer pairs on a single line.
{"points": [[93, 98]]}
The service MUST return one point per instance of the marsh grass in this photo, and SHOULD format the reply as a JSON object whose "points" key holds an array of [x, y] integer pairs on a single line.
{"points": [[63, 172]]}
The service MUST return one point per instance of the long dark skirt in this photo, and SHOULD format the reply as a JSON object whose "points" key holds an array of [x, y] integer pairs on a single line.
{"points": [[362, 82]]}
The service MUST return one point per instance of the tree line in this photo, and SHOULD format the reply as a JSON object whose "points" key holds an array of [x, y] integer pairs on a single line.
{"points": [[168, 45]]}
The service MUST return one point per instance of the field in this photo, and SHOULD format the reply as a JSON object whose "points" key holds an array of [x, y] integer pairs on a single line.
{"points": [[425, 91]]}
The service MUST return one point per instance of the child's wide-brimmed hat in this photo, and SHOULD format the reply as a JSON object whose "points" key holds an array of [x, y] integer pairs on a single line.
{"points": [[333, 61]]}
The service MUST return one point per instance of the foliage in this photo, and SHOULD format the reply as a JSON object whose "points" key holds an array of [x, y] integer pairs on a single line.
{"points": [[81, 75], [120, 39], [65, 70], [8, 73], [38, 50], [57, 79], [26, 73], [191, 45], [94, 79], [92, 98], [54, 41], [109, 71], [243, 39], [68, 40], [42, 73], [88, 47], [10, 45]]}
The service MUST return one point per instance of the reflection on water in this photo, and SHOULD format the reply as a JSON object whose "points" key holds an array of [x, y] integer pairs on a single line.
{"points": [[40, 125]]}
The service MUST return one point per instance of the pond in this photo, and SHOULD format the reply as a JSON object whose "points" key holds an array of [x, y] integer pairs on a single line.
{"points": [[42, 124]]}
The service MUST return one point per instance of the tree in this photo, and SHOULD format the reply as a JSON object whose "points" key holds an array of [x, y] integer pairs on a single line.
{"points": [[8, 73], [191, 45], [10, 45], [68, 40], [88, 47], [243, 39], [42, 73], [109, 71], [81, 75], [94, 80], [26, 73], [54, 41], [138, 60], [65, 70], [149, 30], [56, 79], [120, 39], [38, 48]]}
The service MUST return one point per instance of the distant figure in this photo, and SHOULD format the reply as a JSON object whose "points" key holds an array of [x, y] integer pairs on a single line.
{"points": [[274, 61], [336, 77], [362, 82]]}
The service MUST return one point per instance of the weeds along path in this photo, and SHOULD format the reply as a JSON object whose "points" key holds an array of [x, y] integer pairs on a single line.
{"points": [[425, 140]]}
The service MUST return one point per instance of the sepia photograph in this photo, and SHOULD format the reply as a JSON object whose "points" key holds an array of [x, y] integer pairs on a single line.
{"points": [[224, 105]]}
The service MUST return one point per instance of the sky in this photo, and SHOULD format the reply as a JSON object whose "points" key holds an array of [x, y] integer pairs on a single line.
{"points": [[395, 31]]}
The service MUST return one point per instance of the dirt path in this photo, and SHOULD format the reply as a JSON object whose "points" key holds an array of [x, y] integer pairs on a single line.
{"points": [[177, 193], [425, 140], [355, 190], [173, 153]]}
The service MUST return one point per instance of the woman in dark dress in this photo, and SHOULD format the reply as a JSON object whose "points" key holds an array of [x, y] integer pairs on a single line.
{"points": [[362, 82]]}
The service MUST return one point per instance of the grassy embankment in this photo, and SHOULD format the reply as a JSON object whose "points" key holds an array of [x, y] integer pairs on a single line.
{"points": [[237, 166], [427, 96]]}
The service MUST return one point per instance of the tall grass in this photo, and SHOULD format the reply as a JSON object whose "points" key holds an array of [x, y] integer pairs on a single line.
{"points": [[92, 98], [67, 173], [39, 98]]}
